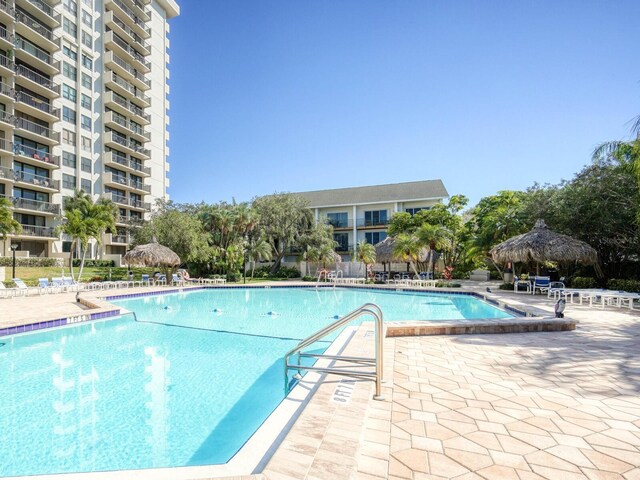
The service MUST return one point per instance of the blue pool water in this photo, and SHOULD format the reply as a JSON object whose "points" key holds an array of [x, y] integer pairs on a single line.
{"points": [[186, 384]]}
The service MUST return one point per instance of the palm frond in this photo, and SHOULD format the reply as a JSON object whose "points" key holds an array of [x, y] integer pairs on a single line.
{"points": [[607, 149]]}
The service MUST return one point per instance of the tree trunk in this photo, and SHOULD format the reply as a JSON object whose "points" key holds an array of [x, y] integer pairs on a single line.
{"points": [[278, 261], [71, 250], [415, 270], [84, 254], [253, 268]]}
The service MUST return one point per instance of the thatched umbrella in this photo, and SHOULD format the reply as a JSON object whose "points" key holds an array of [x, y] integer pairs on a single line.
{"points": [[384, 252], [543, 245], [153, 255]]}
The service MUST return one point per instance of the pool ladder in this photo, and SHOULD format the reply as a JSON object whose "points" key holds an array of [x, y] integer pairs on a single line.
{"points": [[377, 362]]}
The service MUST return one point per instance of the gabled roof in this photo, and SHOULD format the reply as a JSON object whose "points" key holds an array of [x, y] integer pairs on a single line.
{"points": [[392, 192]]}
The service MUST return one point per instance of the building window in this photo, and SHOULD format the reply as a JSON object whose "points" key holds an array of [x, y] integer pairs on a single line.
{"points": [[87, 39], [70, 27], [68, 92], [86, 80], [69, 159], [70, 71], [68, 137], [86, 144], [87, 62], [87, 19], [69, 52], [85, 185], [85, 122], [68, 181], [342, 239], [338, 220], [70, 6], [68, 114], [375, 237], [413, 211], [85, 101], [88, 3], [375, 217], [85, 164]]}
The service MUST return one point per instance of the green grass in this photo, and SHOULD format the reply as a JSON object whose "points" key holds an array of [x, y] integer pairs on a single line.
{"points": [[30, 275]]}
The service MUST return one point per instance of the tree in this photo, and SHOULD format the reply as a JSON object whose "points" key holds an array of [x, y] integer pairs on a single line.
{"points": [[408, 248], [179, 229], [258, 249], [366, 253], [84, 221], [8, 225], [321, 255], [284, 219], [435, 238]]}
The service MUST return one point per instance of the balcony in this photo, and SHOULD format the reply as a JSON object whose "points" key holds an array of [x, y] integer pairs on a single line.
{"points": [[132, 221], [126, 70], [124, 88], [38, 181], [42, 11], [36, 56], [36, 82], [120, 142], [128, 53], [36, 32], [7, 120], [345, 248], [117, 239], [6, 39], [36, 107], [126, 107], [134, 166], [113, 120], [122, 29], [6, 146], [6, 65], [30, 155], [121, 181], [45, 208], [129, 202], [124, 13], [372, 223], [36, 231], [6, 11], [6, 93], [340, 224], [37, 132], [6, 174]]}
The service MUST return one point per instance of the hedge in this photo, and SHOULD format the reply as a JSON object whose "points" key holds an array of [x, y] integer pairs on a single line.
{"points": [[33, 262], [94, 263], [583, 282], [624, 285]]}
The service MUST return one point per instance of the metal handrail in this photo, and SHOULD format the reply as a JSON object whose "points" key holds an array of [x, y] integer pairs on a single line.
{"points": [[366, 309]]}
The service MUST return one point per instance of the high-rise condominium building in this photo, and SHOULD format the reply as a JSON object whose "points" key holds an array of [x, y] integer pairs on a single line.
{"points": [[83, 105]]}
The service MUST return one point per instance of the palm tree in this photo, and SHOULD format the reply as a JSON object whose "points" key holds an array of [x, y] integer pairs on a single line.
{"points": [[322, 255], [85, 220], [8, 224], [258, 249], [435, 238], [366, 253], [623, 151], [408, 248]]}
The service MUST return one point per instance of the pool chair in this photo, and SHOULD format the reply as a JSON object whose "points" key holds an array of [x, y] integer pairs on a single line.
{"points": [[23, 289], [541, 283], [7, 292], [45, 286], [176, 280], [145, 282]]}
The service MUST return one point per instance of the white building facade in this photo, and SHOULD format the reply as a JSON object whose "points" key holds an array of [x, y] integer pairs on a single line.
{"points": [[83, 105]]}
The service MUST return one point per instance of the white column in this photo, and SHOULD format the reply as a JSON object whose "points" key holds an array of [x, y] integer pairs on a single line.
{"points": [[355, 231], [395, 208], [316, 214]]}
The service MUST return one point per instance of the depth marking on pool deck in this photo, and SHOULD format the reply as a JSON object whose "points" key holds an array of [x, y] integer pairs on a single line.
{"points": [[344, 391]]}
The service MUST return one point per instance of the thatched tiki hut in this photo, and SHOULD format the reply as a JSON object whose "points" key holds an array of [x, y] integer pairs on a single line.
{"points": [[385, 255], [153, 255], [543, 245]]}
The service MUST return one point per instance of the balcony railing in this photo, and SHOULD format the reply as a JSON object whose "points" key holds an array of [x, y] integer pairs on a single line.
{"points": [[36, 78], [40, 105], [119, 239], [129, 68], [132, 164], [5, 62], [340, 223], [37, 129], [5, 172], [35, 231], [31, 49], [4, 34], [122, 140], [137, 20], [129, 220], [6, 90], [344, 247], [37, 180], [129, 88], [7, 117], [43, 7], [123, 122], [131, 51], [36, 26], [26, 151], [362, 222], [136, 38], [35, 205], [5, 7]]}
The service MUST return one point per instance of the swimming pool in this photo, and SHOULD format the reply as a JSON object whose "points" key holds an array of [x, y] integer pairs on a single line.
{"points": [[187, 383]]}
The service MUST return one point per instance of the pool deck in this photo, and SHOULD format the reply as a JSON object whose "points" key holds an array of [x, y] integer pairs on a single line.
{"points": [[545, 405]]}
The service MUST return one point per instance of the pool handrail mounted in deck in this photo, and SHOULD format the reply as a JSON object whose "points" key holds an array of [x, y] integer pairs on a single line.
{"points": [[377, 362]]}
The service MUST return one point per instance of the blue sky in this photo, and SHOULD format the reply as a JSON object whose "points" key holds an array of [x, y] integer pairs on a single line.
{"points": [[487, 95]]}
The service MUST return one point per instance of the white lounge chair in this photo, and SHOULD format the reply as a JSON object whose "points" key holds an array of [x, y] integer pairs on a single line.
{"points": [[24, 289]]}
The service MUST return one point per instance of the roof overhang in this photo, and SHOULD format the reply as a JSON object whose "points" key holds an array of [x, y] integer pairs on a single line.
{"points": [[171, 7]]}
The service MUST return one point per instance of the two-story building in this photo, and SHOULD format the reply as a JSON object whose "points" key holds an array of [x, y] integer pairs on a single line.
{"points": [[363, 213]]}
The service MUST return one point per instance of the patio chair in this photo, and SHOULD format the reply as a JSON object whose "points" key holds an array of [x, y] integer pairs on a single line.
{"points": [[521, 283], [23, 288], [176, 280], [145, 280], [7, 292], [46, 286], [541, 283]]}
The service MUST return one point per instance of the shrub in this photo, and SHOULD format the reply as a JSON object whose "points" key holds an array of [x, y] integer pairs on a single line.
{"points": [[628, 285], [33, 262], [283, 272], [441, 284], [308, 278], [506, 286], [234, 277], [583, 282], [94, 263]]}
